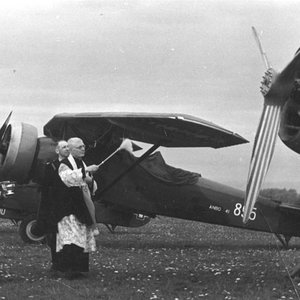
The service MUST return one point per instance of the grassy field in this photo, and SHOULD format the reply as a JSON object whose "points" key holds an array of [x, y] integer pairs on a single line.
{"points": [[166, 259]]}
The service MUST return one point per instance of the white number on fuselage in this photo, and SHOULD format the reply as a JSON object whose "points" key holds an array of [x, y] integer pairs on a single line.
{"points": [[239, 209]]}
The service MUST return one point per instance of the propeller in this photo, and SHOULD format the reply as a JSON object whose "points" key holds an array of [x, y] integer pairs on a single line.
{"points": [[3, 145], [276, 88]]}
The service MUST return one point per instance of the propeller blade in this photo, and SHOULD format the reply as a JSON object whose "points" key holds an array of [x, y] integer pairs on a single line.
{"points": [[4, 126], [262, 154], [276, 88], [261, 50]]}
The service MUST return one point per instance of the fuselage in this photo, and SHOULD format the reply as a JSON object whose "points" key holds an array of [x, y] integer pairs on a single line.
{"points": [[204, 200]]}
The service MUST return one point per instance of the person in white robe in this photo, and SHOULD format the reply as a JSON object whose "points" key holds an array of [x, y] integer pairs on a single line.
{"points": [[77, 228]]}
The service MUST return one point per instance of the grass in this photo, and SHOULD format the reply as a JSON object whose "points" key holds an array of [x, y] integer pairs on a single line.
{"points": [[166, 259]]}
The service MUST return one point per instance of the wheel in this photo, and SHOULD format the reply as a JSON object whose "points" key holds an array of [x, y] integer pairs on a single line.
{"points": [[25, 230]]}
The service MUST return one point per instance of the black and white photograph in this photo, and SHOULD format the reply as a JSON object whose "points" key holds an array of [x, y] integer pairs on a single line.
{"points": [[149, 149]]}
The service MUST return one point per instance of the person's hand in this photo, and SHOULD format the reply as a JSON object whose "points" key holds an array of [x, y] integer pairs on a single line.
{"points": [[92, 168], [88, 179]]}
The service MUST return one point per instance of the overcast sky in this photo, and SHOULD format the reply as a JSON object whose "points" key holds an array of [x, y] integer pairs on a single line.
{"points": [[194, 57]]}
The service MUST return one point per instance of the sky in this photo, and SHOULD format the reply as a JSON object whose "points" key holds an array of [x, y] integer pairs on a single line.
{"points": [[192, 57]]}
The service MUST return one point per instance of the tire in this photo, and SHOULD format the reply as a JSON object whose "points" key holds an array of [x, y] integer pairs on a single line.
{"points": [[25, 230]]}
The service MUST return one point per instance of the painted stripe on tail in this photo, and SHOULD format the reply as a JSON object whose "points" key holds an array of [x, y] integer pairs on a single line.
{"points": [[262, 153]]}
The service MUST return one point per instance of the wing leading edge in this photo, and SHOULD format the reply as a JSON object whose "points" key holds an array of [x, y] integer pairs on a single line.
{"points": [[169, 130]]}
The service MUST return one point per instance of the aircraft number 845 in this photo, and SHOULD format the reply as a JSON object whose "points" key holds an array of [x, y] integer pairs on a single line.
{"points": [[239, 209]]}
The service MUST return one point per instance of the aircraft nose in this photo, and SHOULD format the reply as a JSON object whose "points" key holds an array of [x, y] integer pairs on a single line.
{"points": [[3, 144]]}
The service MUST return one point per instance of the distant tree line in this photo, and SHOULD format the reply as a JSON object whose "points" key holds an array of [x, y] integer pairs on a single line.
{"points": [[283, 195]]}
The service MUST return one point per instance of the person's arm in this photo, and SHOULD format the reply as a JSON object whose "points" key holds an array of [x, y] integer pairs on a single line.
{"points": [[92, 168], [89, 177]]}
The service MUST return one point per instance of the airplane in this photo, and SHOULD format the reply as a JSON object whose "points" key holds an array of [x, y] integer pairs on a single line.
{"points": [[23, 156], [133, 189]]}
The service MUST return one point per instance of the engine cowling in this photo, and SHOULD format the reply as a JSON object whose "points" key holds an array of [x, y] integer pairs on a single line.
{"points": [[289, 131], [23, 153]]}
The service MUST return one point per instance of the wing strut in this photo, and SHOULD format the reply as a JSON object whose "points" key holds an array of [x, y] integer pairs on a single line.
{"points": [[137, 162]]}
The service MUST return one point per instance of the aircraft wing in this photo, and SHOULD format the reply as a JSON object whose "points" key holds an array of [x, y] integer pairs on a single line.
{"points": [[169, 130]]}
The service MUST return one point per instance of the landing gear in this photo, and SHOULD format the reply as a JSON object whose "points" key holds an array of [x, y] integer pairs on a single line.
{"points": [[25, 230], [284, 240]]}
